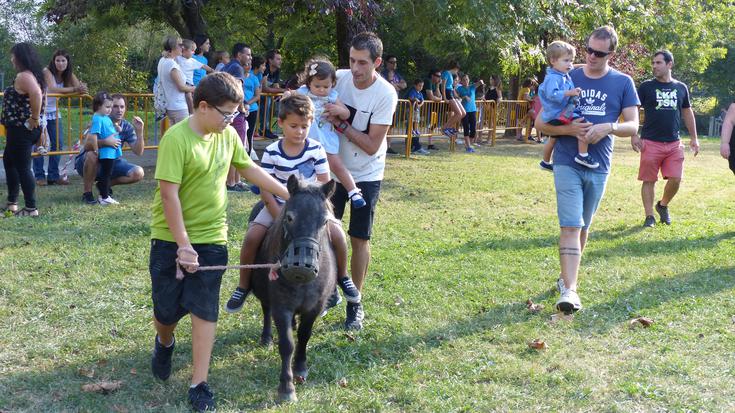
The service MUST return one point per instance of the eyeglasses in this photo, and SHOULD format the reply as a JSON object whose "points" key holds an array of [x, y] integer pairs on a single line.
{"points": [[597, 53], [227, 117]]}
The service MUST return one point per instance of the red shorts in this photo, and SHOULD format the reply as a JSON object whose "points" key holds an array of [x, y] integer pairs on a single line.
{"points": [[665, 156]]}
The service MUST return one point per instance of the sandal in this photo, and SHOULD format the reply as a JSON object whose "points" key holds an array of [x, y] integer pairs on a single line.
{"points": [[11, 206], [27, 212]]}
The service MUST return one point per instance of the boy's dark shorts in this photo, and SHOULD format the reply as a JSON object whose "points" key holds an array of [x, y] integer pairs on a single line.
{"points": [[197, 294], [361, 219]]}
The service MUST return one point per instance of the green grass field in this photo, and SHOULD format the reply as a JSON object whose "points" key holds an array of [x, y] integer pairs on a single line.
{"points": [[460, 243]]}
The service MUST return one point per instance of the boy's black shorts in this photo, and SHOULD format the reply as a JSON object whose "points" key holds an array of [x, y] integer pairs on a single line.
{"points": [[196, 293], [361, 219]]}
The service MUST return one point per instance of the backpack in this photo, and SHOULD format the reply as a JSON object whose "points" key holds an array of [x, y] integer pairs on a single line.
{"points": [[159, 99]]}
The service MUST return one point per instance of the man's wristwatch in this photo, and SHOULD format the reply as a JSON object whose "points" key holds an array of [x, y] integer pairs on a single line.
{"points": [[614, 126], [342, 127]]}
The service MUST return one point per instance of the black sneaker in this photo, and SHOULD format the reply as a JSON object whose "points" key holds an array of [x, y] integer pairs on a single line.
{"points": [[390, 151], [236, 301], [88, 198], [352, 294], [663, 212], [201, 398], [355, 315], [334, 300], [432, 148], [650, 221], [161, 360]]}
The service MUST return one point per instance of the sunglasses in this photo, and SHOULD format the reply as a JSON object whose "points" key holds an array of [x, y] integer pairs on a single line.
{"points": [[597, 53], [227, 117]]}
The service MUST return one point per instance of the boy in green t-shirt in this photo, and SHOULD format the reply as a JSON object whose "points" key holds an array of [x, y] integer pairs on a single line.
{"points": [[189, 226]]}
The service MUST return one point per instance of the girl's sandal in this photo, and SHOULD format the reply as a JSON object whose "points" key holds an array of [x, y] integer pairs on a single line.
{"points": [[27, 212]]}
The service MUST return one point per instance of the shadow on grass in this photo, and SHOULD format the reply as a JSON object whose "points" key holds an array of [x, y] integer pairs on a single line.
{"points": [[635, 248], [651, 294]]}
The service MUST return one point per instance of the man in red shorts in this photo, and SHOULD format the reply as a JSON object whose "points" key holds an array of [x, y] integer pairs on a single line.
{"points": [[665, 102]]}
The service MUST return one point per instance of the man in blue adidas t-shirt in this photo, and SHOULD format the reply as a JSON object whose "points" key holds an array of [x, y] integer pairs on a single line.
{"points": [[606, 94]]}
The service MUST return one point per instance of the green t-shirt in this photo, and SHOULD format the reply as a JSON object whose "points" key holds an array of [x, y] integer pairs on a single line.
{"points": [[200, 168]]}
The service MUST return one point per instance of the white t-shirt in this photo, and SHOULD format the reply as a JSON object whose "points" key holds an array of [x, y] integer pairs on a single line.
{"points": [[372, 106], [175, 99], [188, 66]]}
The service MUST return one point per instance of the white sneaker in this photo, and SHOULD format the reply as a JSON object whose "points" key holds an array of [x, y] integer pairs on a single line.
{"points": [[568, 302], [107, 201]]}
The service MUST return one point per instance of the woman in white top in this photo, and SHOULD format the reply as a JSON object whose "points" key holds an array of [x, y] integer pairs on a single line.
{"points": [[60, 78], [173, 81]]}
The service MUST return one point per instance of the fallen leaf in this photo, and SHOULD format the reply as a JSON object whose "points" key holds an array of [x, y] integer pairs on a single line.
{"points": [[700, 335], [133, 371], [103, 387], [538, 344], [342, 382], [83, 371], [641, 322], [534, 308], [557, 317]]}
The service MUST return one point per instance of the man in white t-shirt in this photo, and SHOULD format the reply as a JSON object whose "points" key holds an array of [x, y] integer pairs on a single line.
{"points": [[371, 101], [173, 81]]}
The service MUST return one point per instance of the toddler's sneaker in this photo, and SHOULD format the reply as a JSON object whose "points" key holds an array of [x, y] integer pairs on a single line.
{"points": [[356, 198], [202, 398], [587, 161], [107, 201], [236, 301], [546, 166], [254, 189], [352, 294]]}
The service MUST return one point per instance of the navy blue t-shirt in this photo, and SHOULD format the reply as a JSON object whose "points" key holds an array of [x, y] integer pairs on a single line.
{"points": [[602, 101], [662, 104]]}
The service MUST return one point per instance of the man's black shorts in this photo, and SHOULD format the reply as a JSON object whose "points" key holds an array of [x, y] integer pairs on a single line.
{"points": [[361, 219], [196, 293]]}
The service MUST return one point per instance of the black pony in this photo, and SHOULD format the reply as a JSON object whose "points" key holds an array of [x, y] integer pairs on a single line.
{"points": [[299, 240]]}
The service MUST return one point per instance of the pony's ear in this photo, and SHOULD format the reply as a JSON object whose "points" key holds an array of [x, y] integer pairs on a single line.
{"points": [[328, 188], [293, 184]]}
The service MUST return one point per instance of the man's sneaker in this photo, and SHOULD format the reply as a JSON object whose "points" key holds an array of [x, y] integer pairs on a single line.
{"points": [[390, 151], [352, 294], [432, 148], [201, 398], [355, 315], [334, 300], [236, 301], [650, 221], [161, 360], [663, 212], [560, 286], [587, 161], [420, 151], [568, 302], [546, 166], [107, 201], [88, 198]]}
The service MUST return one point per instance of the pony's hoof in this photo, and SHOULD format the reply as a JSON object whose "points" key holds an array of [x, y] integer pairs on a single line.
{"points": [[287, 397]]}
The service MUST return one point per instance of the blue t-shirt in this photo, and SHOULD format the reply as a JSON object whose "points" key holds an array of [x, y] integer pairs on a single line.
{"points": [[249, 86], [199, 73], [469, 91], [126, 135], [602, 101], [102, 127], [235, 69], [415, 94], [449, 79]]}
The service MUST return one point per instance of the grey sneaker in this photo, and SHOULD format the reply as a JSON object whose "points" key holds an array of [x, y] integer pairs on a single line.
{"points": [[569, 302], [663, 212], [650, 221], [355, 315]]}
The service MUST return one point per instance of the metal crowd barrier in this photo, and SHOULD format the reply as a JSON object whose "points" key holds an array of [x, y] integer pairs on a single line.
{"points": [[76, 113]]}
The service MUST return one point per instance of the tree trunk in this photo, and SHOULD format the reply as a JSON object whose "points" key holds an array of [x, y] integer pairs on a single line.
{"points": [[343, 39], [186, 17]]}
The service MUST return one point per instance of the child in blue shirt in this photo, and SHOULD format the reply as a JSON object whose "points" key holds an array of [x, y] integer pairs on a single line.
{"points": [[559, 99], [417, 100], [103, 128], [467, 93]]}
